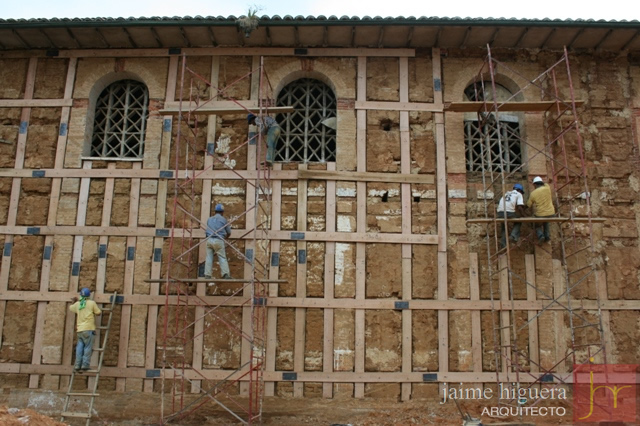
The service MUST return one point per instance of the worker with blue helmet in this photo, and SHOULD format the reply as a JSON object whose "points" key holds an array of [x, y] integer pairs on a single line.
{"points": [[218, 229], [511, 205], [86, 311]]}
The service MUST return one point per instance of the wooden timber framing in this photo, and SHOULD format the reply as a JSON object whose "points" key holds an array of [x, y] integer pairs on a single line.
{"points": [[506, 106], [158, 242], [340, 303], [361, 222], [541, 220], [441, 171], [52, 213], [212, 51], [329, 284], [405, 189], [128, 376]]}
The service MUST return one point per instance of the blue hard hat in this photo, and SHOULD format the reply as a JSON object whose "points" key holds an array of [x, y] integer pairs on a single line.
{"points": [[85, 292], [250, 117], [219, 208], [519, 187]]}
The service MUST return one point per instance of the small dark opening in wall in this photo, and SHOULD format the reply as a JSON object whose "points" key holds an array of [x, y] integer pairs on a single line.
{"points": [[386, 125], [385, 197], [416, 199]]}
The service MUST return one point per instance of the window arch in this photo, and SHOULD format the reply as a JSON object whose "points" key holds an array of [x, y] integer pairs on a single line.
{"points": [[487, 142], [120, 120], [308, 133]]}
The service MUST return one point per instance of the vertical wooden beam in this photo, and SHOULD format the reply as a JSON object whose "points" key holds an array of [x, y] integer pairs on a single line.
{"points": [[534, 343], [54, 199], [329, 282], [505, 320], [125, 318], [252, 156], [476, 324], [205, 212], [103, 242], [441, 187], [158, 242], [605, 316], [405, 167], [274, 271], [15, 187], [76, 260], [559, 287], [301, 285], [361, 222]]}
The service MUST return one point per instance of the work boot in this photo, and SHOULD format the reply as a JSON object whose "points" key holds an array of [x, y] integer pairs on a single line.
{"points": [[85, 368], [226, 277], [77, 368]]}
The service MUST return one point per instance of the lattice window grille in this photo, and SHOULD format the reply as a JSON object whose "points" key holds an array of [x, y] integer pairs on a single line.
{"points": [[120, 121], [482, 140], [304, 137]]}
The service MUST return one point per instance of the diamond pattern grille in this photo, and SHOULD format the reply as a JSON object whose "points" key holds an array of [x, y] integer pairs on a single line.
{"points": [[120, 121], [482, 140], [304, 138]]}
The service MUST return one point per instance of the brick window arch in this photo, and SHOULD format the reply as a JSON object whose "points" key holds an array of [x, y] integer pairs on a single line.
{"points": [[120, 120], [486, 143], [309, 133]]}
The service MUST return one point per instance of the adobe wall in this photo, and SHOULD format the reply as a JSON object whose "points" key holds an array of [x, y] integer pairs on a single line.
{"points": [[609, 120]]}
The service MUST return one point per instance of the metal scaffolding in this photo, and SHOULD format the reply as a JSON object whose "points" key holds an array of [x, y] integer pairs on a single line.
{"points": [[573, 295], [189, 310]]}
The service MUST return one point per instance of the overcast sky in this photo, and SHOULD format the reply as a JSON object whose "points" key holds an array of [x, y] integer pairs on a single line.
{"points": [[538, 9]]}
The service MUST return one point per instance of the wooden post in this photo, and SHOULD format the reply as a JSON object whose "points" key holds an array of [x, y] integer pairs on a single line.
{"points": [[441, 189], [125, 318], [274, 271], [534, 346], [329, 282], [56, 184], [158, 242], [505, 320], [76, 259], [301, 285], [476, 324], [559, 287], [361, 222]]}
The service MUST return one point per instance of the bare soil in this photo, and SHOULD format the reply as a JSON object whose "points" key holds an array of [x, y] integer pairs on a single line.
{"points": [[42, 408]]}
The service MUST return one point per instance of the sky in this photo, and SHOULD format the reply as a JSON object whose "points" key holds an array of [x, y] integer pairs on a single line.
{"points": [[539, 9]]}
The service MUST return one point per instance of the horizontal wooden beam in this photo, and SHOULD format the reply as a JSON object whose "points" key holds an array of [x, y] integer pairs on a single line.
{"points": [[539, 106], [399, 106], [539, 219], [322, 303], [365, 176], [213, 51], [245, 234], [35, 103], [211, 109], [144, 174], [283, 376]]}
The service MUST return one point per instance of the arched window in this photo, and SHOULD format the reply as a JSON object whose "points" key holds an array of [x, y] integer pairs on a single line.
{"points": [[309, 133], [488, 141], [120, 120]]}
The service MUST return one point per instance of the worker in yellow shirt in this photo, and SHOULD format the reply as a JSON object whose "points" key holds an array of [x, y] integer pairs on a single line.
{"points": [[542, 203], [86, 309]]}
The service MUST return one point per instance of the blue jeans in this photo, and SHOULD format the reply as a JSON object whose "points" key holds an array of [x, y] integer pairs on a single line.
{"points": [[272, 137], [84, 348], [216, 245], [515, 233], [542, 231]]}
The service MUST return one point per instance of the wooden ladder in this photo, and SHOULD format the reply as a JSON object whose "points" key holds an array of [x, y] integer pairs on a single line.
{"points": [[102, 344]]}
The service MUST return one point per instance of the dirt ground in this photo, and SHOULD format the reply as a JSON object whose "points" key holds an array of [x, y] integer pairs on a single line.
{"points": [[42, 408]]}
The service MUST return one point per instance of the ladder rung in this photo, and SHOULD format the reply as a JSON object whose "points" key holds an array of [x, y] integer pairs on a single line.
{"points": [[82, 394], [91, 371], [74, 414], [105, 310], [99, 349], [103, 327]]}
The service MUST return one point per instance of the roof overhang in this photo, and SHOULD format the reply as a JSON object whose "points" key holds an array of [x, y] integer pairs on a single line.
{"points": [[312, 32]]}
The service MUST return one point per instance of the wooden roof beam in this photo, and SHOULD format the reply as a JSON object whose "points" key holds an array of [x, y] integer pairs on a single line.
{"points": [[156, 36], [128, 34]]}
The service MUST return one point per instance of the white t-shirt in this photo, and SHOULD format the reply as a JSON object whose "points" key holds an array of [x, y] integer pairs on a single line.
{"points": [[512, 199]]}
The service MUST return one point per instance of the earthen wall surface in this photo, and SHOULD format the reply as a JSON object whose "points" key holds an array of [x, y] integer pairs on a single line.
{"points": [[390, 255]]}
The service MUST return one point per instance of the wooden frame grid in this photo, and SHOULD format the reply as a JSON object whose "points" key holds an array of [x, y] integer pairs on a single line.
{"points": [[406, 239]]}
